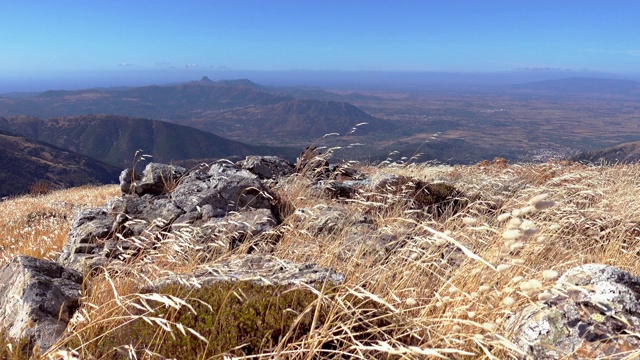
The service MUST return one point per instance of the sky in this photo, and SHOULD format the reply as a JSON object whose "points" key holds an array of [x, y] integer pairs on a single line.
{"points": [[72, 43]]}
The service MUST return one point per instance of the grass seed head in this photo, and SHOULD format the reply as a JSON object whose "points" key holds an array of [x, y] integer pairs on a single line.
{"points": [[490, 327], [550, 274], [541, 239], [503, 217], [411, 302], [538, 198], [471, 314], [544, 296], [527, 210], [469, 220], [512, 234], [514, 222]]}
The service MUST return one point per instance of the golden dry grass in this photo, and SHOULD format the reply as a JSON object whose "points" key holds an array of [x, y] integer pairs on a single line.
{"points": [[37, 225], [440, 288]]}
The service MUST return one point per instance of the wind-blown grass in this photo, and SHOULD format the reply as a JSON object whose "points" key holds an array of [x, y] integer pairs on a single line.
{"points": [[416, 285]]}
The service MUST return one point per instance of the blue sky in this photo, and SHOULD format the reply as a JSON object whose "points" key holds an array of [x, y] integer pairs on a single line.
{"points": [[43, 39]]}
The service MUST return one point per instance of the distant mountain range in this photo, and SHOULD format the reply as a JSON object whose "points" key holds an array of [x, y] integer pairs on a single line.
{"points": [[115, 139], [72, 122], [25, 162], [238, 109], [578, 85], [205, 120]]}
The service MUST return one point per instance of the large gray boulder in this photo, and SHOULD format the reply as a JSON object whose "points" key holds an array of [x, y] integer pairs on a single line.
{"points": [[224, 187], [223, 201], [37, 299], [267, 167], [96, 233], [261, 269], [595, 314]]}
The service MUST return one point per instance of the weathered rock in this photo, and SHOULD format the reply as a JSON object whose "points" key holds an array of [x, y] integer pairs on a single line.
{"points": [[596, 314], [224, 187], [127, 178], [120, 218], [223, 200], [267, 167], [82, 249], [37, 299], [229, 231], [262, 269], [157, 179], [236, 228], [135, 215]]}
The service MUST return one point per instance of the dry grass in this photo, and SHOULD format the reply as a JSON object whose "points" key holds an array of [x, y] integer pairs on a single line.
{"points": [[415, 287], [37, 225]]}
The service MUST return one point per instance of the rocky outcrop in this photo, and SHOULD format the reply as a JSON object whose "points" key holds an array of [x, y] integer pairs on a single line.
{"points": [[267, 167], [37, 299], [261, 269], [223, 200], [594, 314], [224, 187], [156, 179]]}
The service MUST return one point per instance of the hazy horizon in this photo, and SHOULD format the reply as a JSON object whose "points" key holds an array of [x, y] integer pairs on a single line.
{"points": [[71, 44], [354, 80]]}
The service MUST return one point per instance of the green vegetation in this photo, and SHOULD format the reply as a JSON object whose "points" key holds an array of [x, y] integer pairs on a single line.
{"points": [[234, 318]]}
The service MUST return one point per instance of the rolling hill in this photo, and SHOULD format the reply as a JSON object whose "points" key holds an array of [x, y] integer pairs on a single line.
{"points": [[619, 154], [239, 109], [115, 139], [25, 162], [300, 120]]}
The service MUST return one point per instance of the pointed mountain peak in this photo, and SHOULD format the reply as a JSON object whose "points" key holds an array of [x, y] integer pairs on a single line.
{"points": [[205, 80]]}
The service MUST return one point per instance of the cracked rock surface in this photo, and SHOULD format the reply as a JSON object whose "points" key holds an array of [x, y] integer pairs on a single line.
{"points": [[595, 314], [221, 199]]}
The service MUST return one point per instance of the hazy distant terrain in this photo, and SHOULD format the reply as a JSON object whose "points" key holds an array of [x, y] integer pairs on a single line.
{"points": [[528, 121], [532, 121], [115, 139], [577, 85], [24, 162], [239, 109]]}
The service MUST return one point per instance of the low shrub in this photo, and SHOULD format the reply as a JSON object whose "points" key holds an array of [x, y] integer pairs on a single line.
{"points": [[41, 187]]}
